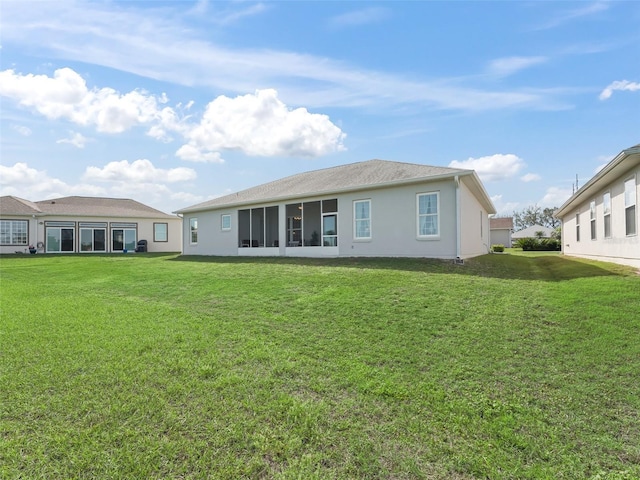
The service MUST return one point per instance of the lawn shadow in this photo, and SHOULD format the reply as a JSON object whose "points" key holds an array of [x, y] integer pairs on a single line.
{"points": [[508, 267]]}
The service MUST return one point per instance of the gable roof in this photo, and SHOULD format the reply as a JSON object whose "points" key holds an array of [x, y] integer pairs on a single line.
{"points": [[617, 167], [343, 178], [76, 206], [501, 223], [10, 205], [532, 231]]}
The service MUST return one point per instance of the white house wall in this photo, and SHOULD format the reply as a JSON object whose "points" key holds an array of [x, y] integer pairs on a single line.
{"points": [[393, 226], [144, 231], [474, 225], [619, 248]]}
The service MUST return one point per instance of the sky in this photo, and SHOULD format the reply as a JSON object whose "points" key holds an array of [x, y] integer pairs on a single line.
{"points": [[172, 103]]}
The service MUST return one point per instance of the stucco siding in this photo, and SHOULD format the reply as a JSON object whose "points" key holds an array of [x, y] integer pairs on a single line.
{"points": [[394, 226], [500, 237], [618, 247], [474, 222]]}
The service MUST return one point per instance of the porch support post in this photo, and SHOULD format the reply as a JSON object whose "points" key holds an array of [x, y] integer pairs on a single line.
{"points": [[458, 219]]}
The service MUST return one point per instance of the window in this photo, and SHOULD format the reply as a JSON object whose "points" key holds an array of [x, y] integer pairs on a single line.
{"points": [[362, 219], [160, 232], [577, 227], [13, 232], [606, 208], [59, 239], [330, 223], [123, 239], [193, 230], [630, 206], [428, 219], [93, 237], [592, 218], [225, 222]]}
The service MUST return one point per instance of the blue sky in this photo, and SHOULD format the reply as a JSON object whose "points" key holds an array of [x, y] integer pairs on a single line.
{"points": [[172, 103]]}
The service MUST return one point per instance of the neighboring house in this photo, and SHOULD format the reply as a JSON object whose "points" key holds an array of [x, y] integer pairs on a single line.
{"points": [[85, 225], [501, 229], [601, 219], [534, 231], [371, 208]]}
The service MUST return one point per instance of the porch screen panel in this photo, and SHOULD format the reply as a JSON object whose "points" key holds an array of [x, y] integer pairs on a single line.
{"points": [[311, 223], [271, 227]]}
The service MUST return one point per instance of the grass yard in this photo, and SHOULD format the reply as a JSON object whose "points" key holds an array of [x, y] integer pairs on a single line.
{"points": [[168, 367]]}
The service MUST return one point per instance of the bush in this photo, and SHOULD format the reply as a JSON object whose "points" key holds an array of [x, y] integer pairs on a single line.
{"points": [[530, 244], [497, 248]]}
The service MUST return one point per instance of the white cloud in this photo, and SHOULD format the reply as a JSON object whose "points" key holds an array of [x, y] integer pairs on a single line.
{"points": [[139, 172], [510, 65], [555, 197], [360, 17], [620, 85], [22, 130], [102, 34], [76, 139], [494, 167], [502, 207], [570, 15], [194, 153], [260, 125], [26, 182], [146, 183], [66, 96], [530, 177]]}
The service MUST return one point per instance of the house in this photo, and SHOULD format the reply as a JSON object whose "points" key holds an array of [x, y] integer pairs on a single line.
{"points": [[600, 220], [85, 225], [534, 231], [501, 229], [371, 208]]}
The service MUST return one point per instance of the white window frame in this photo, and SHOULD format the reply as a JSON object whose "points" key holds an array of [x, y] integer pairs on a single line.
{"points": [[577, 227], [424, 215], [630, 201], [193, 231], [606, 214], [14, 232], [357, 221], [156, 237], [225, 222]]}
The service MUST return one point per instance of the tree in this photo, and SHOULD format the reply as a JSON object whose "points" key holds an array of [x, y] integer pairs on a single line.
{"points": [[534, 215]]}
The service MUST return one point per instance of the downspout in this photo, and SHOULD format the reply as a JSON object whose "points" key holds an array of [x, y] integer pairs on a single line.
{"points": [[458, 220]]}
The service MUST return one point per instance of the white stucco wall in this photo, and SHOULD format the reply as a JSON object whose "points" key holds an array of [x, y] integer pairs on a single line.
{"points": [[144, 231], [500, 236], [474, 225], [619, 248], [393, 226]]}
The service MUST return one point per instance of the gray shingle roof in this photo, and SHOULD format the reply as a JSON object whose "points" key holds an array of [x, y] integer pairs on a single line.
{"points": [[354, 176], [80, 206], [499, 223], [10, 205]]}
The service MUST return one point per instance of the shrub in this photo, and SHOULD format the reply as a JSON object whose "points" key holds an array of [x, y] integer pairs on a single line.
{"points": [[530, 244], [497, 248]]}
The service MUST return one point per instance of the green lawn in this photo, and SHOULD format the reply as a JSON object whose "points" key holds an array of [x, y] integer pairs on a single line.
{"points": [[160, 366]]}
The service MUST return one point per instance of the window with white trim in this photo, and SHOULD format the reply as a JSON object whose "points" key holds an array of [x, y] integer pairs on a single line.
{"points": [[428, 214], [606, 210], [577, 227], [630, 206], [225, 222], [193, 230], [160, 232], [592, 218], [13, 232], [362, 219]]}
